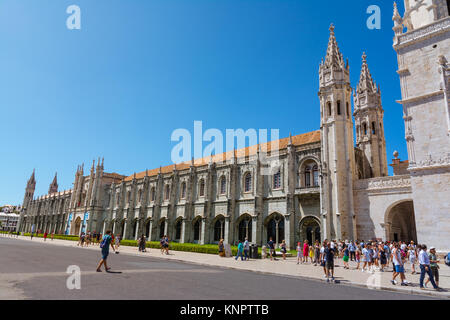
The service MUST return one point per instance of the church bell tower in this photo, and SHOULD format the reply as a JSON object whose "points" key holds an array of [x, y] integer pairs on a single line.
{"points": [[338, 159]]}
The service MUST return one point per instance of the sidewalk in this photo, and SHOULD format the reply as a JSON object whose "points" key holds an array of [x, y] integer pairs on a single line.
{"points": [[289, 267]]}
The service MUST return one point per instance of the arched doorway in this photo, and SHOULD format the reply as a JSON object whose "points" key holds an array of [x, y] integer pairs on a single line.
{"points": [[310, 229], [178, 227], [162, 228], [147, 229], [219, 229], [275, 227], [122, 228], [77, 226], [245, 228], [133, 234], [197, 229], [400, 222]]}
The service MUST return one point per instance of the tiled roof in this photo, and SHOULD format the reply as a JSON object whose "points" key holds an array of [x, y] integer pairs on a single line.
{"points": [[301, 139]]}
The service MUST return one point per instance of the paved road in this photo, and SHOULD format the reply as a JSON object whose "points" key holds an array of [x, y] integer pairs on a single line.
{"points": [[38, 271]]}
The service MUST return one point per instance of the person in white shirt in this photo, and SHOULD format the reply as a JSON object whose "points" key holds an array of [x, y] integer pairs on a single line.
{"points": [[424, 262], [398, 264]]}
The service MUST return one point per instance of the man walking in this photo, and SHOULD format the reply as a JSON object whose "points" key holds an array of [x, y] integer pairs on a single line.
{"points": [[271, 246], [424, 262], [240, 249], [246, 249], [106, 242], [329, 263]]}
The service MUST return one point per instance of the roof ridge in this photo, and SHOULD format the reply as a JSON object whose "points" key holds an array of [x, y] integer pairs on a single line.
{"points": [[314, 136]]}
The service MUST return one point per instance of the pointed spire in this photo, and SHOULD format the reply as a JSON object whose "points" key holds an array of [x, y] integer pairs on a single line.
{"points": [[290, 139], [234, 156], [32, 178], [192, 161], [54, 185], [160, 171], [365, 80], [396, 16], [334, 56]]}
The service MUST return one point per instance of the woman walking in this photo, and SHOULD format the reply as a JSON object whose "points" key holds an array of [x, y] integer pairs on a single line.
{"points": [[316, 253], [383, 257], [412, 257], [142, 243], [283, 249]]}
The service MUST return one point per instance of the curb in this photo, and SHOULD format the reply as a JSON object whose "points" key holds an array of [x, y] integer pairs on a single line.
{"points": [[444, 295]]}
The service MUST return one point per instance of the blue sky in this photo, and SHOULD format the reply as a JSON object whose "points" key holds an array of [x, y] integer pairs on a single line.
{"points": [[139, 69]]}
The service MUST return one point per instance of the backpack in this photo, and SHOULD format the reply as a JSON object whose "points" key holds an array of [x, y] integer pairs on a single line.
{"points": [[447, 259], [103, 243]]}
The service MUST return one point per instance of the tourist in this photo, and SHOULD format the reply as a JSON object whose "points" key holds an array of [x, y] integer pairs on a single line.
{"points": [[299, 252], [271, 246], [425, 267], [357, 256], [161, 244], [53, 235], [412, 256], [246, 249], [166, 244], [329, 263], [352, 250], [45, 235], [142, 243], [117, 242], [399, 268], [316, 253], [434, 266], [346, 256], [382, 256], [311, 252], [375, 255], [283, 249], [106, 242], [240, 249], [366, 259], [323, 258], [221, 248], [305, 251], [387, 251]]}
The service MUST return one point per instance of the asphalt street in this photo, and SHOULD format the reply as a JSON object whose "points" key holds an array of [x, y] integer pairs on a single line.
{"points": [[38, 271]]}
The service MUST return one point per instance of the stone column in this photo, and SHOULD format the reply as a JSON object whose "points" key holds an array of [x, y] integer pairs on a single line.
{"points": [[226, 238], [254, 223], [203, 232]]}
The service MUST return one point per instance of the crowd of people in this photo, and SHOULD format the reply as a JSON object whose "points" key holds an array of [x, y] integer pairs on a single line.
{"points": [[371, 256]]}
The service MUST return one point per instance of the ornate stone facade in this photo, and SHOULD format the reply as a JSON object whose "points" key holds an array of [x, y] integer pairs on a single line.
{"points": [[324, 184]]}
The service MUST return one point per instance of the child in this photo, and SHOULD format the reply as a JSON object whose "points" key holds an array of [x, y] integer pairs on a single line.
{"points": [[311, 253], [358, 256], [299, 252], [346, 256]]}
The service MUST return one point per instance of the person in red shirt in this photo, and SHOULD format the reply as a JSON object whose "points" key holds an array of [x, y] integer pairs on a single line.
{"points": [[305, 251], [45, 235]]}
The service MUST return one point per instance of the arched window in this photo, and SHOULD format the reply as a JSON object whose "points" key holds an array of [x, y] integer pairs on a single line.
{"points": [[167, 192], [140, 195], [365, 128], [373, 128], [183, 190], [308, 176], [329, 108], [339, 107], [152, 194], [348, 111], [223, 185], [277, 180], [202, 188], [248, 182], [315, 176], [162, 228]]}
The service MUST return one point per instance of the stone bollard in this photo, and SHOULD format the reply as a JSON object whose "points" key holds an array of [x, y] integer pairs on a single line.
{"points": [[264, 252]]}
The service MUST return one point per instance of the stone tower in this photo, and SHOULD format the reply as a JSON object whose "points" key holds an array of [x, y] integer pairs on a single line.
{"points": [[29, 190], [369, 124], [54, 185], [423, 54], [338, 159]]}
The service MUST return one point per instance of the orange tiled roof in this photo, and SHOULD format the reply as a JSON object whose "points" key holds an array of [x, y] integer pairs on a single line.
{"points": [[297, 140]]}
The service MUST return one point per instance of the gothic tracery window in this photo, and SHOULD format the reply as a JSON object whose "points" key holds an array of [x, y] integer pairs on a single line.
{"points": [[183, 190], [223, 185], [277, 180], [202, 188], [247, 182]]}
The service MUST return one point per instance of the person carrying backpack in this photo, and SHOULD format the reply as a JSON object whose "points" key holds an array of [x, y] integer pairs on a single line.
{"points": [[104, 246]]}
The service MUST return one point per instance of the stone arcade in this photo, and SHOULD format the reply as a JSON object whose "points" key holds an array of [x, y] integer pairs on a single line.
{"points": [[326, 184]]}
